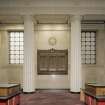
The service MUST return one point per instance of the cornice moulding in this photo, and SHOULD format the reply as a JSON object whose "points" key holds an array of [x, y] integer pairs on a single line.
{"points": [[52, 3], [51, 10]]}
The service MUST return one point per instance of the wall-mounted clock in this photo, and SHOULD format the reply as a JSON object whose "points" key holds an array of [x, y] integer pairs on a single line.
{"points": [[52, 41]]}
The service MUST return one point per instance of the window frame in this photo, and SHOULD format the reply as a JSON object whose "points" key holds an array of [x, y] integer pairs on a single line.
{"points": [[89, 31], [9, 41]]}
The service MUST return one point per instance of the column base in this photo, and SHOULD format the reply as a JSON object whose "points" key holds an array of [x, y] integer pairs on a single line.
{"points": [[74, 92], [29, 92]]}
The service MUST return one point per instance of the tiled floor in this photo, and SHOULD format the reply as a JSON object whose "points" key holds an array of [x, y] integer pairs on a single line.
{"points": [[50, 98]]}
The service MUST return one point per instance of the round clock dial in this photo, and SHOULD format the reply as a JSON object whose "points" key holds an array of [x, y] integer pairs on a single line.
{"points": [[52, 41]]}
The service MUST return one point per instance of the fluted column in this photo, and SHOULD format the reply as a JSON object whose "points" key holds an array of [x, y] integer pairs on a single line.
{"points": [[75, 71], [29, 69]]}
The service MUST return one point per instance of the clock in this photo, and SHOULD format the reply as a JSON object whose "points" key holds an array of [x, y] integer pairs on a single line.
{"points": [[52, 41]]}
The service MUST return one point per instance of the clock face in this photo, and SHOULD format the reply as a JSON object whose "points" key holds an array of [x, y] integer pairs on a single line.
{"points": [[52, 41]]}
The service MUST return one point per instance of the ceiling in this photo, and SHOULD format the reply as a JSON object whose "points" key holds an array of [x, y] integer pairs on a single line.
{"points": [[46, 19], [50, 19]]}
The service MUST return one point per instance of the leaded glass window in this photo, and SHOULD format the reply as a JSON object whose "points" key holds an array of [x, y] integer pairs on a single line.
{"points": [[16, 49], [88, 47]]}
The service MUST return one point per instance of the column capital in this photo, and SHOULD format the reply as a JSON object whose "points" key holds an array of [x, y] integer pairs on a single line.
{"points": [[29, 17], [75, 17]]}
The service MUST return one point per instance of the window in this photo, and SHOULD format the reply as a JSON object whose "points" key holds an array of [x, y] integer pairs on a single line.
{"points": [[16, 50], [88, 47]]}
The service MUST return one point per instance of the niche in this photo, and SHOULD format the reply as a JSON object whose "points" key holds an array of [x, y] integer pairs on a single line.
{"points": [[52, 62]]}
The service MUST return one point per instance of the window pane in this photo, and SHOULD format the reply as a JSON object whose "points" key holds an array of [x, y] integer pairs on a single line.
{"points": [[21, 43], [83, 39], [83, 56], [83, 34], [12, 61], [92, 43], [92, 56], [87, 39], [17, 34], [16, 48], [87, 56], [92, 34], [92, 47], [93, 61], [83, 60], [17, 43], [83, 52], [21, 34], [12, 56], [21, 39], [17, 57], [21, 48], [21, 56], [87, 52], [92, 52], [17, 52], [87, 35], [87, 43], [21, 61], [12, 39], [12, 48], [16, 39], [83, 47], [87, 47], [17, 61], [88, 61], [83, 43], [12, 52], [92, 39], [12, 34], [12, 43], [21, 52]]}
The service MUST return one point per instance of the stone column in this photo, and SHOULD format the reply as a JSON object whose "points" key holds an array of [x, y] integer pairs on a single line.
{"points": [[75, 67], [28, 69]]}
